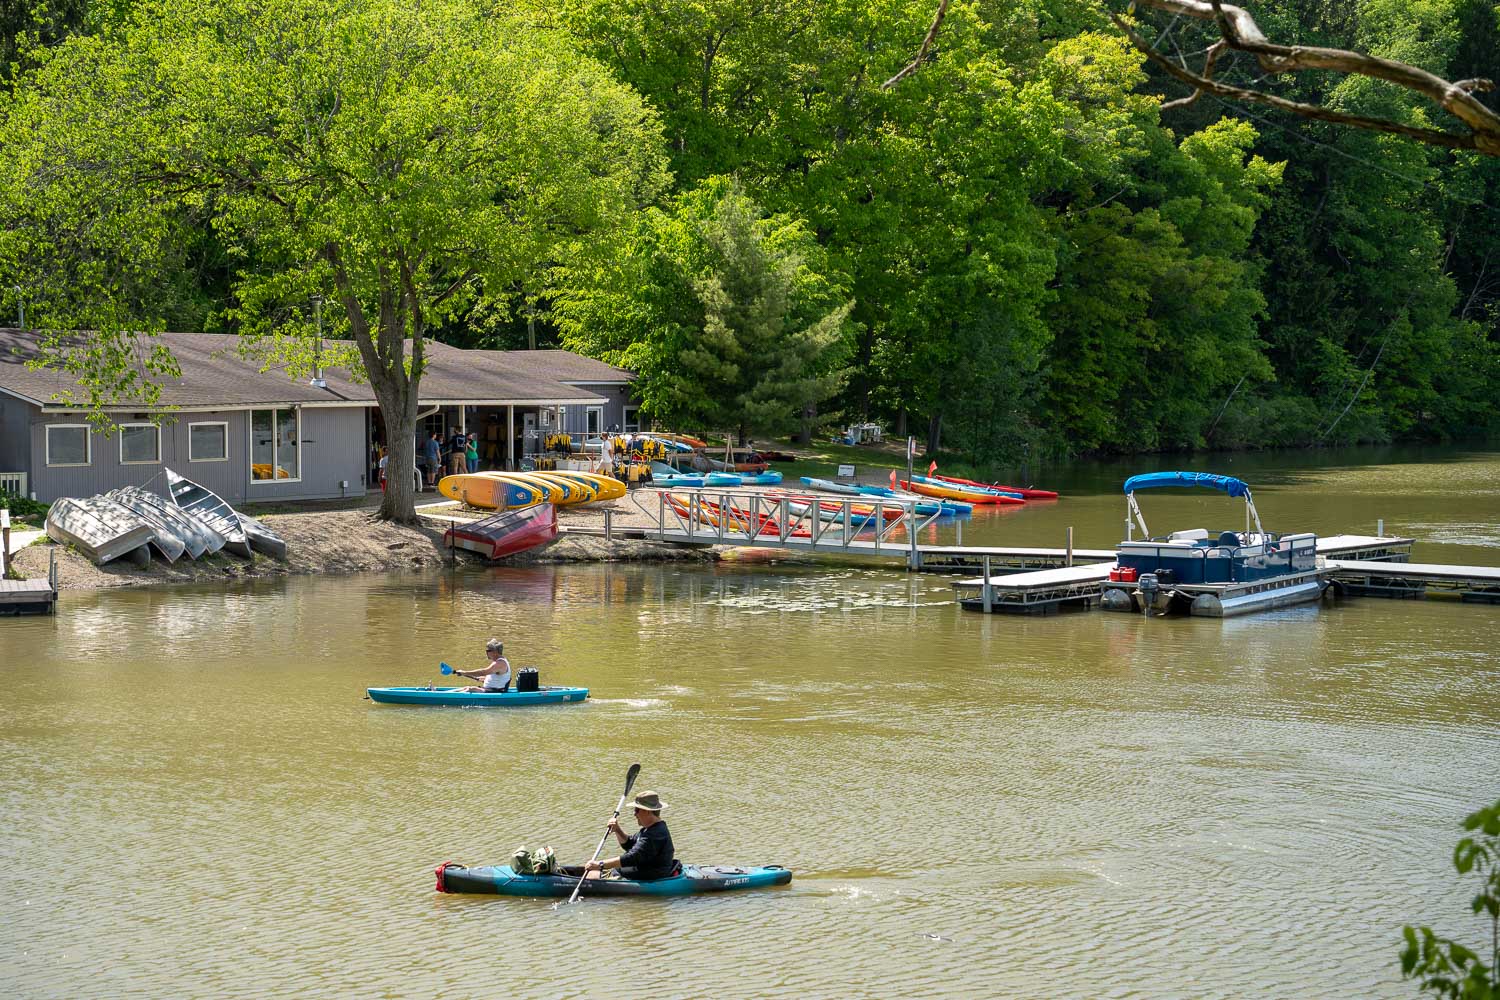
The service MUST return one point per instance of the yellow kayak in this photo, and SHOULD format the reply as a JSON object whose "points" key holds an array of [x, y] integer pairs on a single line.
{"points": [[605, 487], [483, 489], [573, 491]]}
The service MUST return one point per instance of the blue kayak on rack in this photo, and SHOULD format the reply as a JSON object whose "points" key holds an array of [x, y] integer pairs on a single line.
{"points": [[475, 699], [502, 880]]}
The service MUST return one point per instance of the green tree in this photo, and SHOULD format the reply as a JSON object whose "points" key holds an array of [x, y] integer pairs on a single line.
{"points": [[411, 163], [730, 319], [1444, 967]]}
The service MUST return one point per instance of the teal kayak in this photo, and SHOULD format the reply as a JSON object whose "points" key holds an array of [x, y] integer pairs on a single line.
{"points": [[502, 880], [458, 696]]}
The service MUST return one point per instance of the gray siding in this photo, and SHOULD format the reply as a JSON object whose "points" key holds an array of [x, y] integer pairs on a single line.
{"points": [[332, 446], [575, 418], [15, 433]]}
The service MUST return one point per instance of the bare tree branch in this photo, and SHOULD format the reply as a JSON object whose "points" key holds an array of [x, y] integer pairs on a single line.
{"points": [[1430, 136], [1208, 74], [911, 67], [1239, 31]]}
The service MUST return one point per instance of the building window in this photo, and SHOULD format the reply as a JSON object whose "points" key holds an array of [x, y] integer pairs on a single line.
{"points": [[208, 442], [273, 445], [69, 444], [593, 421], [632, 420], [140, 444]]}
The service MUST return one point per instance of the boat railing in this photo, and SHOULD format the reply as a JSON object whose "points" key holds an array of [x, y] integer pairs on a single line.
{"points": [[711, 516]]}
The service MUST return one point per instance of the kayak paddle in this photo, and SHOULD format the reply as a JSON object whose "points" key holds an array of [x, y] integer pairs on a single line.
{"points": [[629, 780], [443, 668]]}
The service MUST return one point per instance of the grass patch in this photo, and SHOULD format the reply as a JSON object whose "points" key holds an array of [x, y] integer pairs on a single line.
{"points": [[821, 459]]}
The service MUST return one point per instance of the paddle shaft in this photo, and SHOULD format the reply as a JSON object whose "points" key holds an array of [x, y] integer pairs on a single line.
{"points": [[629, 780]]}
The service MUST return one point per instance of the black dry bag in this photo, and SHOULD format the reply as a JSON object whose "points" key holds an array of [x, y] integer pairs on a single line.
{"points": [[527, 679]]}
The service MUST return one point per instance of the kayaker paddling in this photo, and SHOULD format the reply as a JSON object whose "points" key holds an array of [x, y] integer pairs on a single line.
{"points": [[494, 676], [649, 852]]}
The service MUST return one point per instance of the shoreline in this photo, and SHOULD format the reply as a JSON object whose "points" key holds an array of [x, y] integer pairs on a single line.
{"points": [[351, 540]]}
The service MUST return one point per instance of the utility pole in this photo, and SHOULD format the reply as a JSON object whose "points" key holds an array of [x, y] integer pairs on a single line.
{"points": [[317, 379]]}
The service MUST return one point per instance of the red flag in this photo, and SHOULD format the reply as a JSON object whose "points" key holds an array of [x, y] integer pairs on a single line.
{"points": [[893, 479], [932, 469]]}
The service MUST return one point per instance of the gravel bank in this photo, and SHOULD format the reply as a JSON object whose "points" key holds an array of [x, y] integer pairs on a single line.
{"points": [[351, 541]]}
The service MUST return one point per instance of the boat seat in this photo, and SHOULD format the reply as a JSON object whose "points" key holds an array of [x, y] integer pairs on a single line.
{"points": [[1189, 535], [1230, 539]]}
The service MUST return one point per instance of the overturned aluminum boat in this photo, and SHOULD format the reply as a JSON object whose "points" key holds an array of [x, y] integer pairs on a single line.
{"points": [[101, 529]]}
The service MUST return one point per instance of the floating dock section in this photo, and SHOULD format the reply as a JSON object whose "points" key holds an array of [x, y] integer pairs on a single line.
{"points": [[24, 597]]}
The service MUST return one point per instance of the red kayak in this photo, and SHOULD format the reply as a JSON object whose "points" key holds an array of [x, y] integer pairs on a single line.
{"points": [[1025, 491], [506, 534]]}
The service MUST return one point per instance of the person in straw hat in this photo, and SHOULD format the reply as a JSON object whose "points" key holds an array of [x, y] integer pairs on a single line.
{"points": [[649, 853]]}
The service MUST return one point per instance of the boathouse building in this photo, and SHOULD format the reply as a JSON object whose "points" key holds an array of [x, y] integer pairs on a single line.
{"points": [[255, 436]]}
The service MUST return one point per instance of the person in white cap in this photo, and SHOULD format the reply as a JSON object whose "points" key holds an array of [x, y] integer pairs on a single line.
{"points": [[495, 674], [649, 853]]}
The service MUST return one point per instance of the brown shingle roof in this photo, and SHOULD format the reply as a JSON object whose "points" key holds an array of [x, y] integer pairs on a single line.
{"points": [[215, 374]]}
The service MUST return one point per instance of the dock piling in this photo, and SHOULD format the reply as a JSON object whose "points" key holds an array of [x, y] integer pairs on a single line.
{"points": [[984, 588], [1380, 528], [1069, 561], [609, 525]]}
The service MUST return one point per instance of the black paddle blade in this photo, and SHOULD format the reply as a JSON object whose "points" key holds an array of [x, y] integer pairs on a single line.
{"points": [[635, 769]]}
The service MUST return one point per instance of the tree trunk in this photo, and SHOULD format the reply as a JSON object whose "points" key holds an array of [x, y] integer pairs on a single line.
{"points": [[935, 433], [901, 422], [383, 351], [809, 417]]}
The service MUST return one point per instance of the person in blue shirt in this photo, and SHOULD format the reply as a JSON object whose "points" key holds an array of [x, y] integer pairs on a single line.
{"points": [[649, 853], [432, 451]]}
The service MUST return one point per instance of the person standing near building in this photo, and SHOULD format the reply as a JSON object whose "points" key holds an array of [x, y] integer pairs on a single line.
{"points": [[471, 452], [433, 452], [458, 445]]}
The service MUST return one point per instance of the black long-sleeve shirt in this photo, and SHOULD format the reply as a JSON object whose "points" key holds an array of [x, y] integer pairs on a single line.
{"points": [[648, 854]]}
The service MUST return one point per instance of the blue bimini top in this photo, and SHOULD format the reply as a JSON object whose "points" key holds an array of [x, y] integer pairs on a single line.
{"points": [[1157, 480]]}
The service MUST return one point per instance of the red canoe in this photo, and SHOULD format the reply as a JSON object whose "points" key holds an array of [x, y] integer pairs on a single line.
{"points": [[1025, 491], [506, 534]]}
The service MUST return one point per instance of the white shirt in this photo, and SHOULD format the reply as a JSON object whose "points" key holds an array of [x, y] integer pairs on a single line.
{"points": [[498, 680]]}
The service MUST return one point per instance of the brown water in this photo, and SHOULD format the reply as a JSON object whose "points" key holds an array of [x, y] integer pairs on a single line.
{"points": [[199, 802]]}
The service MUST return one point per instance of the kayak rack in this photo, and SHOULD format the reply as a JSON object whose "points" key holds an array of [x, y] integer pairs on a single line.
{"points": [[800, 522]]}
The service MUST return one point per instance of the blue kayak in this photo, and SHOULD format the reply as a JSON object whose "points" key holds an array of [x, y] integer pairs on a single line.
{"points": [[677, 479], [458, 696], [723, 479], [502, 880]]}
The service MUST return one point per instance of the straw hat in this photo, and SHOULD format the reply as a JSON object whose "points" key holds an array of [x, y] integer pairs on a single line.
{"points": [[649, 801]]}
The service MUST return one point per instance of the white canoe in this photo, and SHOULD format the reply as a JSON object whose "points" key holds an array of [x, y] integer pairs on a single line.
{"points": [[204, 504]]}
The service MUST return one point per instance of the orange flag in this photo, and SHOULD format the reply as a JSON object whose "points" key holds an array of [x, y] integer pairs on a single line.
{"points": [[932, 469], [893, 479]]}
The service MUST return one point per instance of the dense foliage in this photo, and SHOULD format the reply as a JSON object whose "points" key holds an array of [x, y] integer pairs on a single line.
{"points": [[411, 165], [1014, 250]]}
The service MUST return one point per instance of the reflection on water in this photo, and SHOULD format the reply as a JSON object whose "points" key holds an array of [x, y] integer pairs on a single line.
{"points": [[199, 800]]}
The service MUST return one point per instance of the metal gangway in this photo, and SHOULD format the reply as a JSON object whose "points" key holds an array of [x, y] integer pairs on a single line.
{"points": [[806, 522]]}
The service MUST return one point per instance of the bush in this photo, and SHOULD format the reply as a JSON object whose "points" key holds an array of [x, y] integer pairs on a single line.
{"points": [[20, 507]]}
